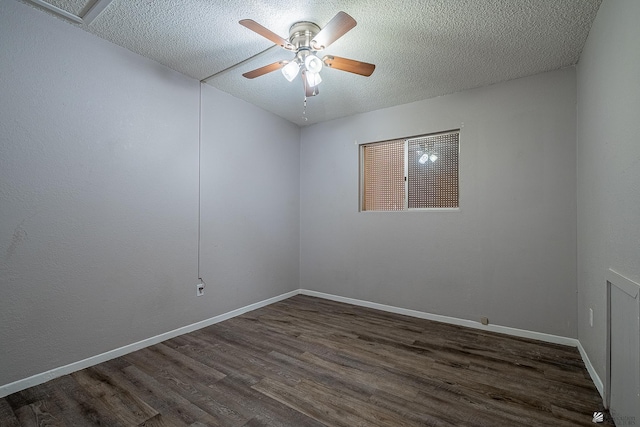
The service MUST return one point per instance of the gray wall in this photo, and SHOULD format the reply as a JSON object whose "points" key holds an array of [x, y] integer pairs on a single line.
{"points": [[99, 197], [250, 201], [509, 253], [608, 135]]}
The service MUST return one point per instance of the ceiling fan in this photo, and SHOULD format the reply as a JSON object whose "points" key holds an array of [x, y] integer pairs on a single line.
{"points": [[306, 39]]}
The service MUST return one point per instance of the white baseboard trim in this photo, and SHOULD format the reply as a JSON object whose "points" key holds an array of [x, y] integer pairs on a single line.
{"points": [[592, 371], [556, 339], [43, 377]]}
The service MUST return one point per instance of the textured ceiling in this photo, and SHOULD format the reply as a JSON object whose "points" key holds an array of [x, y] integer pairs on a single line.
{"points": [[421, 48], [77, 7]]}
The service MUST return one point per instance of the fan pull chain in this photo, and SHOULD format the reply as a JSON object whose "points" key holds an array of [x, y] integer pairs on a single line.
{"points": [[304, 109]]}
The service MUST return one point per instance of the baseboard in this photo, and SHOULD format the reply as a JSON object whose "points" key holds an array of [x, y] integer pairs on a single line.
{"points": [[43, 377], [556, 339], [592, 371]]}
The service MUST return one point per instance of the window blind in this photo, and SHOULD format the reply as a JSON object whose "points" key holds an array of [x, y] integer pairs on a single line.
{"points": [[384, 176], [433, 184]]}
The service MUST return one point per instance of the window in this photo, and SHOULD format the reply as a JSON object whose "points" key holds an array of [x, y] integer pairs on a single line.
{"points": [[412, 173]]}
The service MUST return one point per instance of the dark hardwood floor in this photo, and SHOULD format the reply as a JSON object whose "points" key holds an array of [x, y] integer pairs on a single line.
{"points": [[311, 362]]}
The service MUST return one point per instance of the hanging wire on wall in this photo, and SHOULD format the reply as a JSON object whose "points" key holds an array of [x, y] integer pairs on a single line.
{"points": [[199, 183]]}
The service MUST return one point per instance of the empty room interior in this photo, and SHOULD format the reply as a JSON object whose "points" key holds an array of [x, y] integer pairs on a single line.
{"points": [[251, 213]]}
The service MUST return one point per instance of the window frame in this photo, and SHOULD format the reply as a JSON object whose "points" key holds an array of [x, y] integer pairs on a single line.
{"points": [[361, 172]]}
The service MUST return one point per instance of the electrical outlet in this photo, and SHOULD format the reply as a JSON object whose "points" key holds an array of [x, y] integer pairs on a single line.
{"points": [[484, 320], [199, 289], [591, 317]]}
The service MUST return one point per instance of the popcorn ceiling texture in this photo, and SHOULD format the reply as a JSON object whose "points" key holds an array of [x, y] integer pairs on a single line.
{"points": [[77, 7], [421, 48]]}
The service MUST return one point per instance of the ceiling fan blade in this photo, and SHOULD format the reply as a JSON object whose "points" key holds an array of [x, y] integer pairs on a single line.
{"points": [[264, 70], [336, 28], [267, 33], [349, 65]]}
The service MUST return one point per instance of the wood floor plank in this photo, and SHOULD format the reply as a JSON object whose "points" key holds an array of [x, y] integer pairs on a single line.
{"points": [[373, 378], [168, 401], [37, 414], [326, 414], [114, 369], [191, 388], [156, 421], [191, 367], [271, 411], [308, 362], [7, 416], [217, 356], [373, 354], [412, 410], [130, 409], [76, 407]]}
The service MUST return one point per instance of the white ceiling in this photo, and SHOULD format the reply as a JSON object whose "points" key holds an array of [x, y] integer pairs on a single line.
{"points": [[421, 48]]}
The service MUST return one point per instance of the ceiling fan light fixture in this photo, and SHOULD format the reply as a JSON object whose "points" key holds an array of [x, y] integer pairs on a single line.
{"points": [[313, 64], [305, 39], [313, 79], [291, 70]]}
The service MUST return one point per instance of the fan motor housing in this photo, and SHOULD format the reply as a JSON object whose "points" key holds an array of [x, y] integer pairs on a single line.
{"points": [[301, 33]]}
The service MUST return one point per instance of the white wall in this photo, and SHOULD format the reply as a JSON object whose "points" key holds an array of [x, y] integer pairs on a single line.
{"points": [[608, 135], [508, 254], [250, 201], [98, 181], [99, 197]]}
